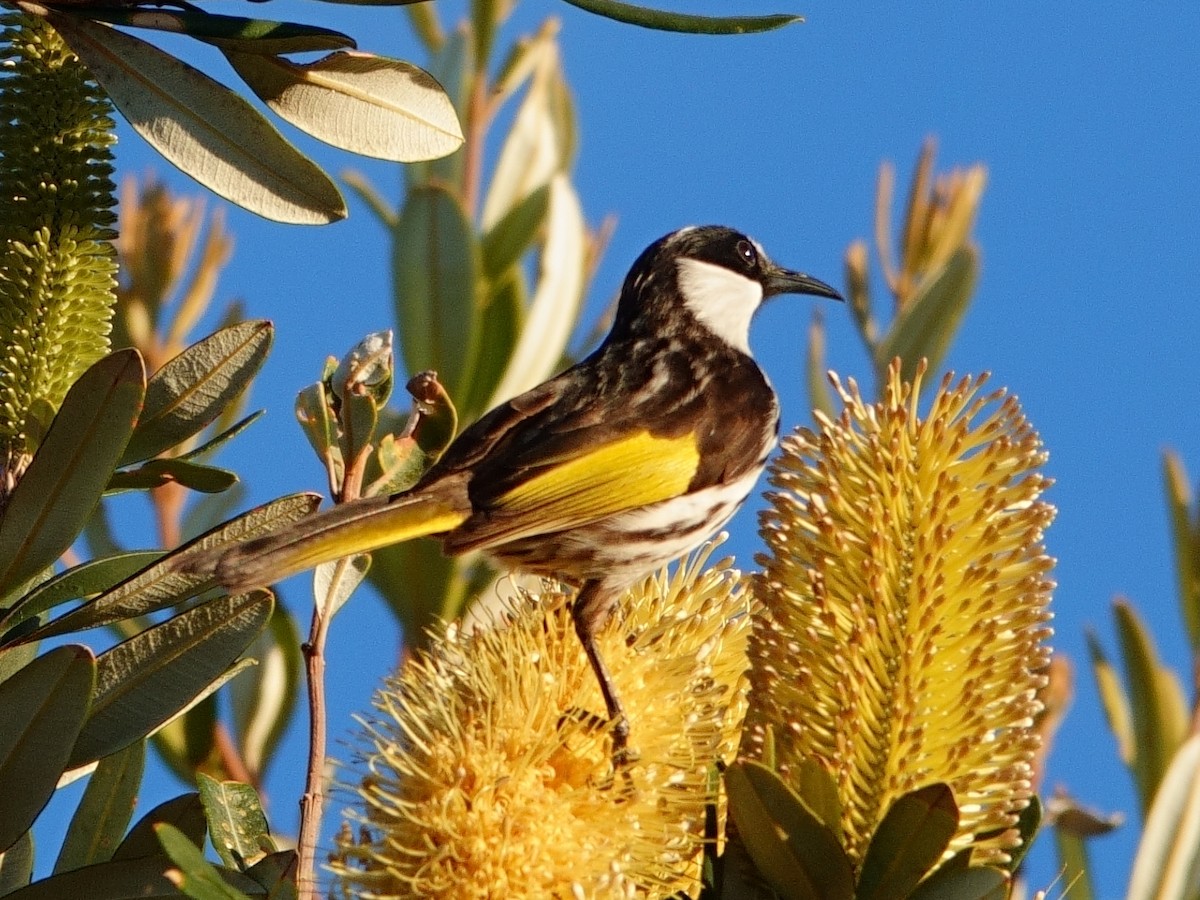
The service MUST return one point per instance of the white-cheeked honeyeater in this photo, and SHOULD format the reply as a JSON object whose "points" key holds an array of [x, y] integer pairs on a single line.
{"points": [[624, 462]]}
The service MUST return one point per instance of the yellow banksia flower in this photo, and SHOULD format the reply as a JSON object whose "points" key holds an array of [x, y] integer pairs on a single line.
{"points": [[486, 768], [904, 615], [57, 263]]}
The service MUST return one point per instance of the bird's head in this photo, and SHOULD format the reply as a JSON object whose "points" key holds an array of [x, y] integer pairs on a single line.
{"points": [[716, 276]]}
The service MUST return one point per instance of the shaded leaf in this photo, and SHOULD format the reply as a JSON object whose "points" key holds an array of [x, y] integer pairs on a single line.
{"points": [[189, 740], [184, 572], [978, 883], [925, 327], [1028, 823], [1073, 863], [173, 470], [104, 811], [80, 581], [144, 681], [237, 825], [145, 878], [909, 841], [64, 481], [195, 387], [16, 865], [44, 704], [502, 321], [263, 35], [435, 261], [453, 66], [662, 20], [819, 793], [798, 856], [275, 873], [185, 812], [202, 127], [371, 105], [219, 440]]}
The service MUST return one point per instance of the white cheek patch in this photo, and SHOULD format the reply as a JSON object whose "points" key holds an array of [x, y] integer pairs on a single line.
{"points": [[721, 299]]}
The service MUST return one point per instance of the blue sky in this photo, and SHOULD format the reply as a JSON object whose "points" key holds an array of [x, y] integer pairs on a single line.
{"points": [[1088, 120]]}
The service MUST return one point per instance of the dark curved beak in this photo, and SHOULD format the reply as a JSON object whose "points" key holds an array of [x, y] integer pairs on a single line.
{"points": [[784, 281]]}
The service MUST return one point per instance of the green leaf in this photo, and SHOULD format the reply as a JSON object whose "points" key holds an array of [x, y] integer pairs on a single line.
{"points": [[1167, 864], [909, 841], [1185, 533], [189, 740], [557, 299], [926, 326], [454, 68], [661, 20], [183, 573], [80, 581], [44, 704], [1073, 863], [509, 239], [334, 582], [104, 812], [173, 470], [435, 262], [1028, 823], [798, 855], [185, 812], [259, 35], [144, 879], [16, 865], [978, 883], [144, 681], [197, 877], [1160, 714], [264, 700], [276, 872], [237, 825], [63, 483], [202, 127], [815, 370], [195, 387], [502, 321], [217, 441], [370, 105], [1113, 698], [819, 792]]}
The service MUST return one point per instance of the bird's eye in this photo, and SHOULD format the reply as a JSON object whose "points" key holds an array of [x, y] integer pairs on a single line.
{"points": [[747, 252]]}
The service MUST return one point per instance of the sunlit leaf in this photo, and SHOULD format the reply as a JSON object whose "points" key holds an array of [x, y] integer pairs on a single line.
{"points": [[64, 481], [45, 705], [508, 240], [104, 812], [554, 309], [1159, 711], [453, 66], [195, 387], [236, 823], [143, 879], [926, 326], [371, 105], [1167, 864], [82, 580], [202, 127], [1185, 532], [181, 575], [196, 877], [661, 20], [144, 681]]}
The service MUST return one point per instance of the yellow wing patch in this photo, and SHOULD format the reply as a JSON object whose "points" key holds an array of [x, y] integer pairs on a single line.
{"points": [[626, 474]]}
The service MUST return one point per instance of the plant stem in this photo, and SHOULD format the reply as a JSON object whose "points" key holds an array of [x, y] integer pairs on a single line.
{"points": [[312, 802]]}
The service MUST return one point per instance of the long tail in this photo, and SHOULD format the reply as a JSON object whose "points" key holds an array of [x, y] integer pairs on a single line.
{"points": [[356, 527]]}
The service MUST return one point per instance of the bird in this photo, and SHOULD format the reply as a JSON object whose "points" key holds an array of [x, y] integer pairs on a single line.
{"points": [[624, 462]]}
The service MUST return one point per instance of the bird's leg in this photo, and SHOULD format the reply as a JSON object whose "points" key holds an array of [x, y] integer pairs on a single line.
{"points": [[591, 610]]}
